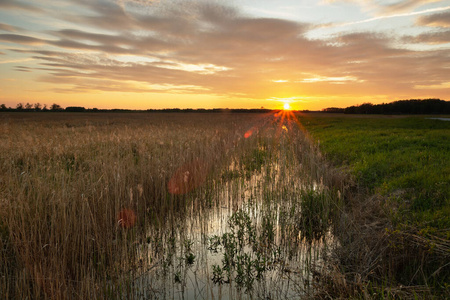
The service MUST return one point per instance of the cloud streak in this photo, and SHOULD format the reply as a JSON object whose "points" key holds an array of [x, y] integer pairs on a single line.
{"points": [[387, 8], [435, 20], [390, 16], [405, 5], [21, 39], [440, 37], [16, 4]]}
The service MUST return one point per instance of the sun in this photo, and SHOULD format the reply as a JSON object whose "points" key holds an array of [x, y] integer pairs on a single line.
{"points": [[286, 106]]}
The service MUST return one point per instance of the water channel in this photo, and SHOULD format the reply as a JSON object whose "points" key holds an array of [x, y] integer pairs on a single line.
{"points": [[264, 233]]}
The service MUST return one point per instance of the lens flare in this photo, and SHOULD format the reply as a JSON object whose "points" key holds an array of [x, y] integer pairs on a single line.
{"points": [[126, 218], [188, 177]]}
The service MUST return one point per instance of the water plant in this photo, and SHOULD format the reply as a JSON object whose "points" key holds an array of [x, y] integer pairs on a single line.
{"points": [[315, 219]]}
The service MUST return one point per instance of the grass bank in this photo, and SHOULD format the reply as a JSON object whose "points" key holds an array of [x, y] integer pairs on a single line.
{"points": [[400, 209]]}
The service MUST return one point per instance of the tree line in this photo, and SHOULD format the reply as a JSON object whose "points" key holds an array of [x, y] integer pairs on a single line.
{"points": [[412, 106], [37, 107], [32, 107]]}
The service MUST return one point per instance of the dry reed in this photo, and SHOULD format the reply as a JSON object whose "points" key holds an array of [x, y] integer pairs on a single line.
{"points": [[66, 178]]}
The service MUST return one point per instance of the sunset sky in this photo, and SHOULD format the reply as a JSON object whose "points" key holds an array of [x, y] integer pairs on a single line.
{"points": [[141, 54]]}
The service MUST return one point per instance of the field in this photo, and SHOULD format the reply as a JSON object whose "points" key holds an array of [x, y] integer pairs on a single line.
{"points": [[400, 172], [172, 205], [402, 158]]}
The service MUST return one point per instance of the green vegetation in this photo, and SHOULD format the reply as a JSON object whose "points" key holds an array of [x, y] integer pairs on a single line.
{"points": [[315, 214], [404, 161]]}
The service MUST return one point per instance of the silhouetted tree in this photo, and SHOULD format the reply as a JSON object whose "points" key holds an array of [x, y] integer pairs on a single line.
{"points": [[28, 106], [75, 109], [56, 107], [365, 108], [37, 106], [412, 106], [19, 106], [3, 107], [333, 110]]}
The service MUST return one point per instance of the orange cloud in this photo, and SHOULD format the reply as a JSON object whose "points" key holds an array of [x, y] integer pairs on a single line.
{"points": [[435, 20]]}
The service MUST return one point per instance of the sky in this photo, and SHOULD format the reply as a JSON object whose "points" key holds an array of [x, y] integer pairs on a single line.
{"points": [[144, 54]]}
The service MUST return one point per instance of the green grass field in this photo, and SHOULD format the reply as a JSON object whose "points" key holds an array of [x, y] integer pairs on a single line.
{"points": [[400, 170], [405, 159]]}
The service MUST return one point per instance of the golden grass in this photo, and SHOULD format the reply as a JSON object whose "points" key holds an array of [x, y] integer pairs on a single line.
{"points": [[76, 189]]}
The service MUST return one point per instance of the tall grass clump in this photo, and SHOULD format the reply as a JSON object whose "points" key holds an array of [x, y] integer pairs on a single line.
{"points": [[316, 214]]}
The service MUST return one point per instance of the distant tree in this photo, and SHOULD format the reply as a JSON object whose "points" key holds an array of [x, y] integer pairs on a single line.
{"points": [[365, 108], [19, 106], [75, 109], [37, 107], [56, 107], [28, 106], [3, 107], [412, 106], [333, 110]]}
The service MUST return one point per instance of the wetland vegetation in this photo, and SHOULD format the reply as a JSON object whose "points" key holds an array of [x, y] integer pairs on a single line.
{"points": [[198, 206]]}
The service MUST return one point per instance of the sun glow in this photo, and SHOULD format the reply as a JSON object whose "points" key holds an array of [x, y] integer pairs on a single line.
{"points": [[286, 106]]}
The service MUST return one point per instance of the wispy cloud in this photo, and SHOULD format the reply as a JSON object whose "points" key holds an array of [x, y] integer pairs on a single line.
{"points": [[439, 37], [383, 8], [404, 6], [21, 39], [389, 16], [333, 80], [8, 28], [17, 4], [19, 60], [435, 20]]}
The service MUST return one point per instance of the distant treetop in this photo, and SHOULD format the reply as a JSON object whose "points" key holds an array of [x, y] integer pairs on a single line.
{"points": [[412, 106]]}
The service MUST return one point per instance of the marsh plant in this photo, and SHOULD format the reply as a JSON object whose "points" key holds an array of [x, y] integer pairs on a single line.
{"points": [[64, 182], [247, 255], [121, 206], [315, 216]]}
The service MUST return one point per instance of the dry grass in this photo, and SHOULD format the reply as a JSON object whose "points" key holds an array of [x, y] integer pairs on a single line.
{"points": [[65, 179]]}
